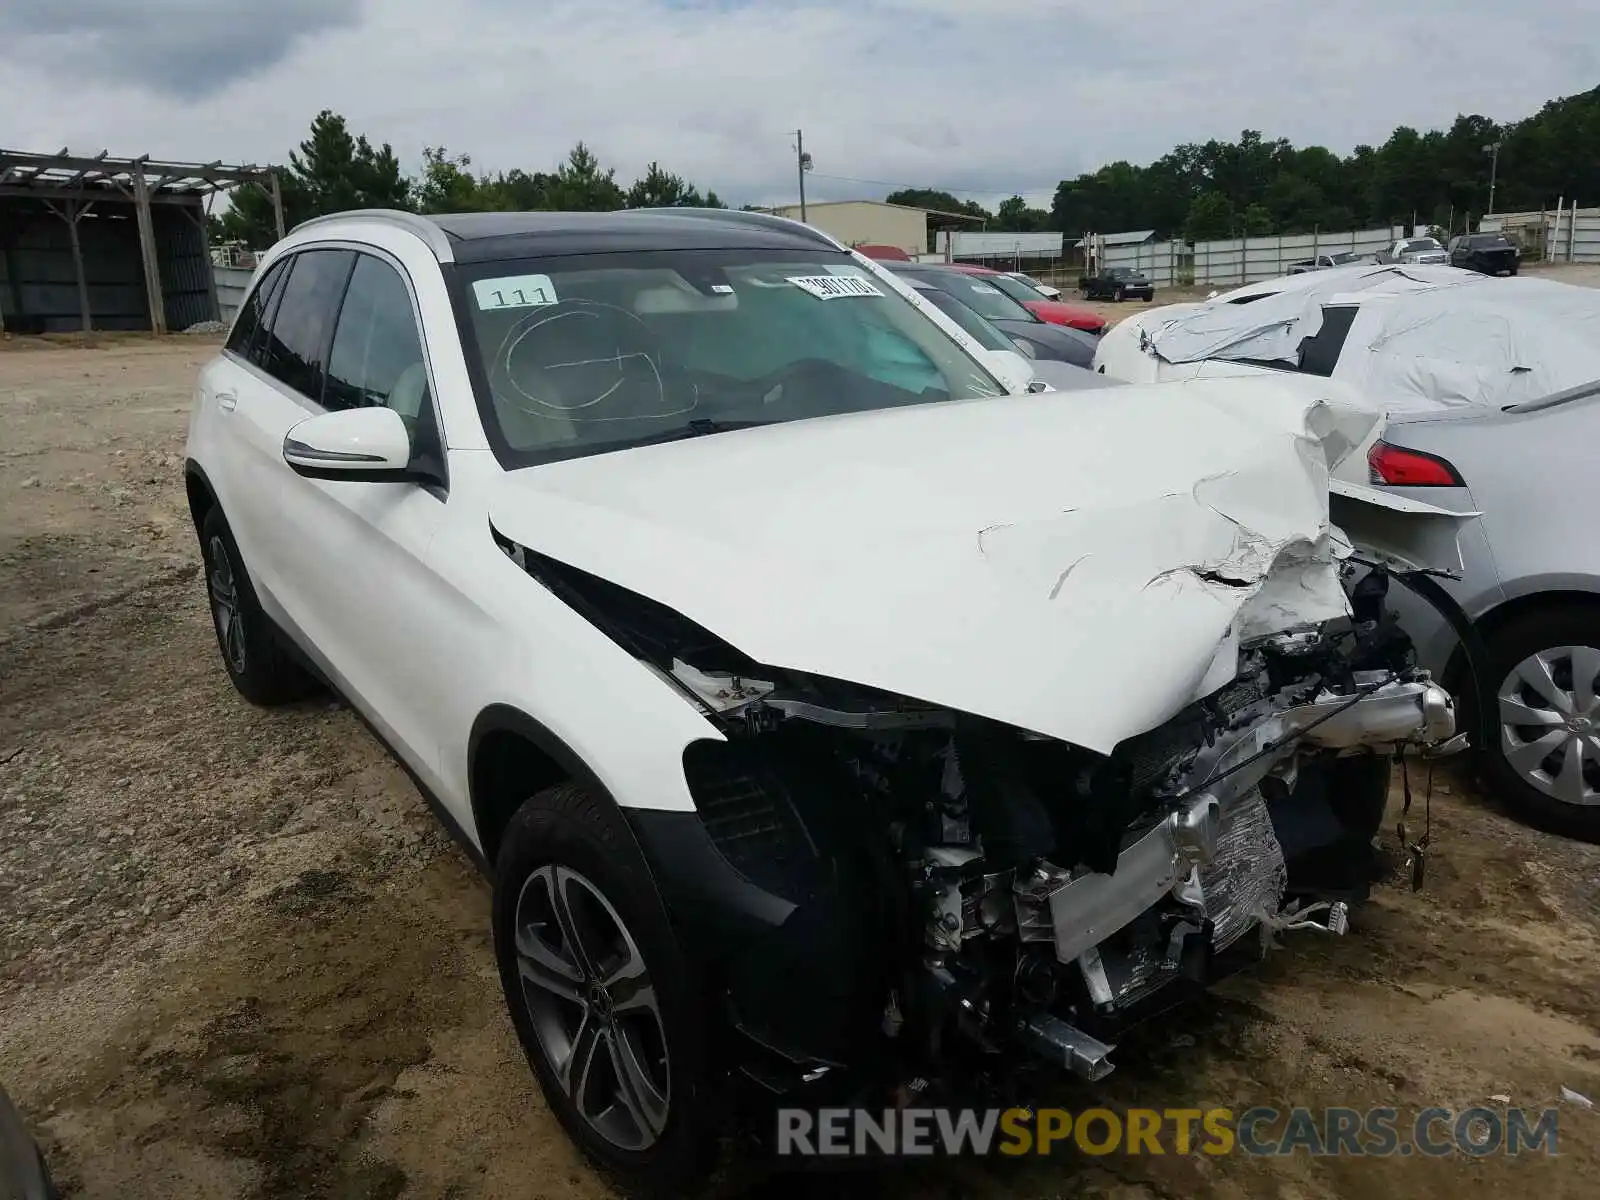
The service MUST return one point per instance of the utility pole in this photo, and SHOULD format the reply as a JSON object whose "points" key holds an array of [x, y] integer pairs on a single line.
{"points": [[1493, 149], [802, 165]]}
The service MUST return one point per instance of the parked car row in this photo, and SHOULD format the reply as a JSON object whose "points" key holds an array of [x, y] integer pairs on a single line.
{"points": [[830, 708], [1491, 405]]}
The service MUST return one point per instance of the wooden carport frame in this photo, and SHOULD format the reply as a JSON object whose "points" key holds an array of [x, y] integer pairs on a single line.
{"points": [[70, 185]]}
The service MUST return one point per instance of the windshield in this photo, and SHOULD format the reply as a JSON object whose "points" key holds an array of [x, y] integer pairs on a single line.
{"points": [[978, 293], [590, 353], [974, 326], [1420, 245], [1488, 241], [1119, 273], [1349, 256]]}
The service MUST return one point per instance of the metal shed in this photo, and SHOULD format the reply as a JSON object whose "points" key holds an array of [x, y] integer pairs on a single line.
{"points": [[110, 243]]}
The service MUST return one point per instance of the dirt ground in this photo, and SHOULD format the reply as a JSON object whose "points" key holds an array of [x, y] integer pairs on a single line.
{"points": [[239, 959]]}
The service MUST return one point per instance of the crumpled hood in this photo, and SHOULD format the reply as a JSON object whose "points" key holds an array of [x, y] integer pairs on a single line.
{"points": [[1079, 565]]}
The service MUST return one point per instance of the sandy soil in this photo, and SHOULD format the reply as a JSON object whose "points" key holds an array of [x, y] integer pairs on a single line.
{"points": [[238, 958]]}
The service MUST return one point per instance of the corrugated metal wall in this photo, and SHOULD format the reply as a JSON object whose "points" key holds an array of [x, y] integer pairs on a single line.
{"points": [[1240, 260], [39, 288], [186, 284]]}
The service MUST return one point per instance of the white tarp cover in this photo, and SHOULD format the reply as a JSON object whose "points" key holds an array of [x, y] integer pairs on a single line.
{"points": [[1424, 337]]}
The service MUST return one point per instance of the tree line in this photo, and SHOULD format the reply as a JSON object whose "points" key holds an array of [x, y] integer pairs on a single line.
{"points": [[334, 170], [1257, 187], [1200, 192]]}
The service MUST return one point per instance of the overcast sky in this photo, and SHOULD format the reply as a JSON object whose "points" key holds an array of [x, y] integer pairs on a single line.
{"points": [[981, 97]]}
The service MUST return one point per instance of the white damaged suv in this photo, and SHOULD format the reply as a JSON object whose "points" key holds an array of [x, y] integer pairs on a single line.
{"points": [[829, 709]]}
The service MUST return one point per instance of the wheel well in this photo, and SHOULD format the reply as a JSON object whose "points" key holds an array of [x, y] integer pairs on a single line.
{"points": [[201, 501], [1496, 619], [506, 769]]}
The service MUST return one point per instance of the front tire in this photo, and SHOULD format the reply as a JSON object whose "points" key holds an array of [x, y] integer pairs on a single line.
{"points": [[1543, 694], [256, 662], [601, 993], [1117, 295]]}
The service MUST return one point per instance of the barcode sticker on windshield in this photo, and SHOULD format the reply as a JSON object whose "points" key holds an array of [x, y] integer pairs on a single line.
{"points": [[514, 291], [834, 287], [983, 289]]}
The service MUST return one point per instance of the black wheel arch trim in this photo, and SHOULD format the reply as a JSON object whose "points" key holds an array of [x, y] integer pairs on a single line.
{"points": [[707, 895], [192, 470]]}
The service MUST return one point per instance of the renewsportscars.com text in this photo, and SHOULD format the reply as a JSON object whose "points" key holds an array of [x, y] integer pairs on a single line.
{"points": [[1259, 1130]]}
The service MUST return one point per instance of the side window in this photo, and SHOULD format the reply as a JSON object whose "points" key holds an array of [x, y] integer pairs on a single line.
{"points": [[252, 312], [296, 349], [377, 355]]}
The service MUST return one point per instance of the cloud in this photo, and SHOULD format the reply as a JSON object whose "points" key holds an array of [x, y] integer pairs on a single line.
{"points": [[979, 98], [181, 48]]}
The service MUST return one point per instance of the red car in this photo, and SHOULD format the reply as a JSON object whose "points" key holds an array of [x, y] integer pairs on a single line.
{"points": [[1054, 311]]}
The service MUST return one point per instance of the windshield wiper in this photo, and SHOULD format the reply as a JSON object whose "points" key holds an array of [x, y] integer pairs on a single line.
{"points": [[699, 427]]}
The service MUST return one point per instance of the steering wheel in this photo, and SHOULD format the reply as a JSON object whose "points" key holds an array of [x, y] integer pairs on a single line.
{"points": [[581, 361]]}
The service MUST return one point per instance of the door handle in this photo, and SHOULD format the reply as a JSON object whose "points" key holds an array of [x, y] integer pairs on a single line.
{"points": [[227, 401]]}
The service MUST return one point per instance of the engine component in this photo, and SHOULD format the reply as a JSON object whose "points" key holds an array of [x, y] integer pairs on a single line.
{"points": [[1087, 907]]}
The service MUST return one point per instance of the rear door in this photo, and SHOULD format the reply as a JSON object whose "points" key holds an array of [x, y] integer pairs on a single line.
{"points": [[279, 385]]}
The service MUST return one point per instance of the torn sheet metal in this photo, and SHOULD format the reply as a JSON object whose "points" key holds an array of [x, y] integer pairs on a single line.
{"points": [[1076, 566]]}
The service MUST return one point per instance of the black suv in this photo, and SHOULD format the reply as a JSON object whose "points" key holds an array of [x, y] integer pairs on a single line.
{"points": [[1490, 253]]}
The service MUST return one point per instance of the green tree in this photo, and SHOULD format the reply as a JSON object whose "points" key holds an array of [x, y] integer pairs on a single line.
{"points": [[332, 171], [446, 185], [579, 185], [1210, 218], [1014, 216], [662, 189], [936, 201], [1256, 221]]}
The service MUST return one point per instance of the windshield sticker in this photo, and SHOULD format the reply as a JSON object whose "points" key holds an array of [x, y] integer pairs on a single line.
{"points": [[514, 291], [984, 289], [835, 287]]}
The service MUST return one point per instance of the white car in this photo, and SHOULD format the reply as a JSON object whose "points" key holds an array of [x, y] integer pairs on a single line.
{"points": [[1044, 289], [1417, 250], [822, 704], [1403, 339]]}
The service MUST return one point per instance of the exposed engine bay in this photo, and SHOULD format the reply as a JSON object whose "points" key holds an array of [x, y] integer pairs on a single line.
{"points": [[913, 887]]}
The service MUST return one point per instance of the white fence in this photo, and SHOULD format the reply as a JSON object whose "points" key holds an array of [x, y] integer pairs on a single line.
{"points": [[1568, 235], [1238, 260]]}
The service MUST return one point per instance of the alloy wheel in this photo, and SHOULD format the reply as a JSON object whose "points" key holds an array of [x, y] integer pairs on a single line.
{"points": [[593, 1007], [1550, 722], [225, 610]]}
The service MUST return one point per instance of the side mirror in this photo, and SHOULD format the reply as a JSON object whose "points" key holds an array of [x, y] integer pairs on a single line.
{"points": [[1014, 370], [358, 444]]}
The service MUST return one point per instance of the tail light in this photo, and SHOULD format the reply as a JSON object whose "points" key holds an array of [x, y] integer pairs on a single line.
{"points": [[1410, 468]]}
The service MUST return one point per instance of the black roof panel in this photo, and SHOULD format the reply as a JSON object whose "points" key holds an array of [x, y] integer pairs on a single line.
{"points": [[477, 237]]}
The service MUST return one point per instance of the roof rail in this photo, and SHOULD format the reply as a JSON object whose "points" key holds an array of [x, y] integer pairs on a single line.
{"points": [[768, 220], [437, 240]]}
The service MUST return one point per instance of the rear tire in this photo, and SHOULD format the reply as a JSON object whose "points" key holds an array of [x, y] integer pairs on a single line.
{"points": [[1541, 693], [601, 993], [255, 661]]}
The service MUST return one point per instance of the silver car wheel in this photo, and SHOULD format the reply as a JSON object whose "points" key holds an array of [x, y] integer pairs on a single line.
{"points": [[593, 1007], [225, 611], [1550, 722]]}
